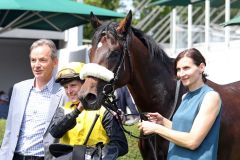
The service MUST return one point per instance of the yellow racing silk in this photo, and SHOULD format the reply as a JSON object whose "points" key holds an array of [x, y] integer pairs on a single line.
{"points": [[78, 134]]}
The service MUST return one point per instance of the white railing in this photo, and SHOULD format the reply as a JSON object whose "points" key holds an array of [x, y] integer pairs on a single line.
{"points": [[223, 62]]}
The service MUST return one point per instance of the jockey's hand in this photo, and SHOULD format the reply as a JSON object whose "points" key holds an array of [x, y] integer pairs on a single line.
{"points": [[155, 117], [80, 107], [121, 115]]}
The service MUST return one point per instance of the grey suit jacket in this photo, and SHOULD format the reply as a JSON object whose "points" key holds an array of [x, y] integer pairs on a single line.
{"points": [[17, 107]]}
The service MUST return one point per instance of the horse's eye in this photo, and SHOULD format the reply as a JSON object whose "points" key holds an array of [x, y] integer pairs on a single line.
{"points": [[103, 34], [114, 54]]}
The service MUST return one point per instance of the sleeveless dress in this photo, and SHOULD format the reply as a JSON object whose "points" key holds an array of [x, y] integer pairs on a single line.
{"points": [[183, 121]]}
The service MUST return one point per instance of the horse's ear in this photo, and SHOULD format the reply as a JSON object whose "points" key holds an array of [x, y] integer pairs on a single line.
{"points": [[95, 21], [125, 24]]}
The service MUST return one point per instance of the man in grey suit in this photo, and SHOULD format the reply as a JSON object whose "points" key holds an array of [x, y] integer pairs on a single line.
{"points": [[32, 106]]}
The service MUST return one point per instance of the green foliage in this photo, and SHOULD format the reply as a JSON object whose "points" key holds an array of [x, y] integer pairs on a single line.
{"points": [[2, 129], [108, 4]]}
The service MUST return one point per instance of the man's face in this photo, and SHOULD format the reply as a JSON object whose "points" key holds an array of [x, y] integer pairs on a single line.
{"points": [[42, 63], [72, 88]]}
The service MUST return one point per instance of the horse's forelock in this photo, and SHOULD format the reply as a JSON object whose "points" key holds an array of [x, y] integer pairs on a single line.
{"points": [[105, 27]]}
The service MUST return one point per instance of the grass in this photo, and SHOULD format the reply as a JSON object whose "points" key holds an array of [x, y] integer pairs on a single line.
{"points": [[2, 129], [133, 153]]}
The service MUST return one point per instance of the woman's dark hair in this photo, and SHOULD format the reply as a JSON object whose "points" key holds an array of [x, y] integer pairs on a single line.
{"points": [[195, 55]]}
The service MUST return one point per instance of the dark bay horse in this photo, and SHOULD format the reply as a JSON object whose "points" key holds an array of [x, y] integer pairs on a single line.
{"points": [[138, 62]]}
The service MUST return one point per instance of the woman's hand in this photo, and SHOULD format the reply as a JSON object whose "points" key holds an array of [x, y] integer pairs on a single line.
{"points": [[155, 117], [147, 127]]}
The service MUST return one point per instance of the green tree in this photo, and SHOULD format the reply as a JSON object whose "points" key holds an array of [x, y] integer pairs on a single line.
{"points": [[108, 4]]}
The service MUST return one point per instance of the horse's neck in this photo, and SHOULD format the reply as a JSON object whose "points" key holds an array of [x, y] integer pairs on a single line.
{"points": [[152, 85]]}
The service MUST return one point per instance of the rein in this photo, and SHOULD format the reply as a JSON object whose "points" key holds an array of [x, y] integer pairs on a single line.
{"points": [[175, 99], [110, 104]]}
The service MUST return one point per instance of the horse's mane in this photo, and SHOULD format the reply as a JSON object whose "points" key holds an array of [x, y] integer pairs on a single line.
{"points": [[155, 51]]}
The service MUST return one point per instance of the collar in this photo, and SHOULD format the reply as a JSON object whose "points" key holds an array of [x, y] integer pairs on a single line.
{"points": [[48, 86], [71, 104]]}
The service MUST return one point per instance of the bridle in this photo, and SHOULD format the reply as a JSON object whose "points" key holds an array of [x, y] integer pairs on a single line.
{"points": [[110, 103], [110, 99], [108, 89], [116, 70]]}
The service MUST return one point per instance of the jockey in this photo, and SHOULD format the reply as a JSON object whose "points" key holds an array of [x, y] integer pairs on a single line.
{"points": [[97, 133]]}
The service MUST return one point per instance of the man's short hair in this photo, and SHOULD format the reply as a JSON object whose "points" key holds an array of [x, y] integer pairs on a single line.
{"points": [[49, 43]]}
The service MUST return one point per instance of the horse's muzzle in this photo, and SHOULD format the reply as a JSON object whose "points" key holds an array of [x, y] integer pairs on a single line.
{"points": [[90, 102]]}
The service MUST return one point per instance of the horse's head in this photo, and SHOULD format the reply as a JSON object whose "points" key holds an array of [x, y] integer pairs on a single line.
{"points": [[109, 66]]}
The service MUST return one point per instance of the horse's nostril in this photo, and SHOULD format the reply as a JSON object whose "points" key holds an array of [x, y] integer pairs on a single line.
{"points": [[91, 98]]}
